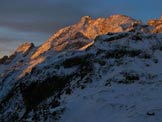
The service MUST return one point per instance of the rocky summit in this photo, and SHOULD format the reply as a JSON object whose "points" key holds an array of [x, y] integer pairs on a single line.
{"points": [[98, 70]]}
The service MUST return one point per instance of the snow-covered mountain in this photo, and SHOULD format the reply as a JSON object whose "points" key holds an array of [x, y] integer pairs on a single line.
{"points": [[102, 70]]}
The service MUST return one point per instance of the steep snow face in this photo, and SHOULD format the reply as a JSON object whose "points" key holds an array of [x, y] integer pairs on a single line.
{"points": [[117, 76], [129, 87], [13, 66], [87, 29], [22, 50], [114, 77]]}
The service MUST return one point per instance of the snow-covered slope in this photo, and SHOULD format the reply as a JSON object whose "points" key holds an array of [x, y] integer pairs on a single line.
{"points": [[108, 69]]}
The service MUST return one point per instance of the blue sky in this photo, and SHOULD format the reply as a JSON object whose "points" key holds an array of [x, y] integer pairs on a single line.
{"points": [[37, 20]]}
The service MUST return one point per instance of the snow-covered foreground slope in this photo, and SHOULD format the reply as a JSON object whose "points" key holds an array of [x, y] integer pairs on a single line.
{"points": [[115, 77], [128, 90], [118, 103]]}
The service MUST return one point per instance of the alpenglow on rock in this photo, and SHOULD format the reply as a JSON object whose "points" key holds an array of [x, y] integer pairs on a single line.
{"points": [[102, 70], [157, 24], [87, 27]]}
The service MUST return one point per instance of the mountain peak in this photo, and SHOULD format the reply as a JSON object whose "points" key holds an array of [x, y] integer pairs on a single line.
{"points": [[24, 48], [120, 16], [111, 74], [85, 19], [88, 27]]}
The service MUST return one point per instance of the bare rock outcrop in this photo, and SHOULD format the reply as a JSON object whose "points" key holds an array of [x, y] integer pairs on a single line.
{"points": [[157, 24], [25, 48], [88, 29]]}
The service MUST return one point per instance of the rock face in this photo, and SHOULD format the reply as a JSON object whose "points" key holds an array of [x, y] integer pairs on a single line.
{"points": [[88, 29], [157, 24], [3, 59], [25, 48], [107, 69]]}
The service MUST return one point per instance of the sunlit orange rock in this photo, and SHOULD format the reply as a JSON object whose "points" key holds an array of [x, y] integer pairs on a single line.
{"points": [[87, 28]]}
